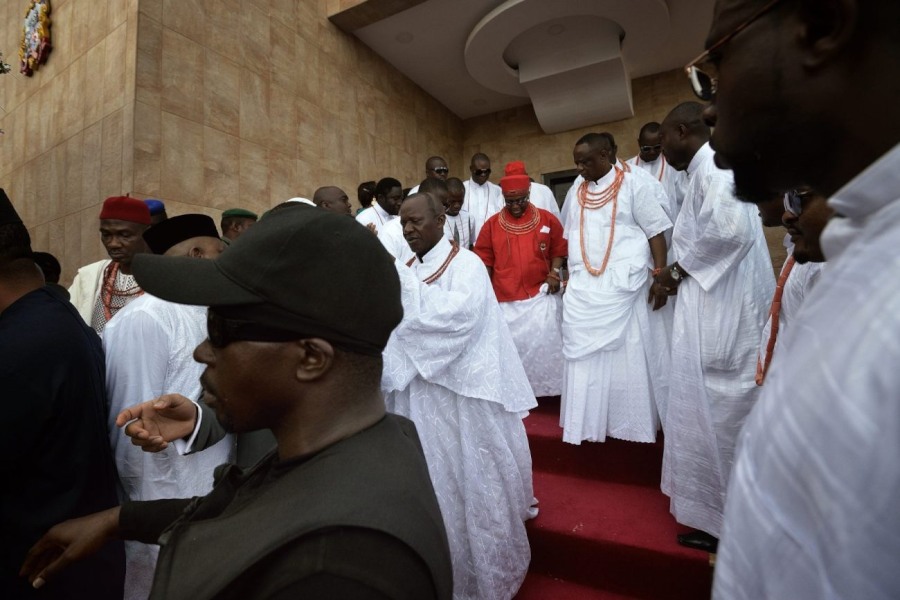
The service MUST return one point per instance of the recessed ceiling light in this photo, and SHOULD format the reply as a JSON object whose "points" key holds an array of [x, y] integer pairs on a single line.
{"points": [[404, 37]]}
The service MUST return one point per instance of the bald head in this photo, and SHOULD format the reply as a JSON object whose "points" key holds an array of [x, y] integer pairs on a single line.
{"points": [[332, 199], [436, 168], [682, 133]]}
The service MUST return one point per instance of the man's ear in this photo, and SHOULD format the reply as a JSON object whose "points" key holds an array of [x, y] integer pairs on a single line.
{"points": [[314, 358], [195, 252], [827, 26]]}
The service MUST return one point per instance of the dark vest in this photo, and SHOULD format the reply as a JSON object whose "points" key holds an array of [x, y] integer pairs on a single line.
{"points": [[376, 479]]}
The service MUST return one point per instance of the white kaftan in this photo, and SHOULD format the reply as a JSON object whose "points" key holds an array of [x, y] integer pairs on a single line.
{"points": [[536, 327], [482, 202], [609, 386], [149, 349], [721, 308], [800, 281], [375, 215], [672, 180], [391, 237], [542, 196], [812, 510], [460, 228], [85, 288], [452, 367]]}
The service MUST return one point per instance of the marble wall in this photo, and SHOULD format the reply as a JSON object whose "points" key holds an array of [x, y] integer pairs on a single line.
{"points": [[68, 130]]}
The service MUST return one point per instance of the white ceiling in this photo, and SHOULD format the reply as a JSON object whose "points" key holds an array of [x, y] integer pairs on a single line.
{"points": [[480, 56]]}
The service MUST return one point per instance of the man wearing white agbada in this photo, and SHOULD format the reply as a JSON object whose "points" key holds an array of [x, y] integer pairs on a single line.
{"points": [[149, 350], [723, 276], [483, 198], [452, 367], [614, 226], [523, 249], [651, 160], [388, 196], [812, 510]]}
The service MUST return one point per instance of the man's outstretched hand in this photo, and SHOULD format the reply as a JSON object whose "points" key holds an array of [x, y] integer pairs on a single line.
{"points": [[153, 424]]}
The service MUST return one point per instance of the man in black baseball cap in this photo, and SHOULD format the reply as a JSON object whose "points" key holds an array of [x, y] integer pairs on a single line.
{"points": [[344, 506]]}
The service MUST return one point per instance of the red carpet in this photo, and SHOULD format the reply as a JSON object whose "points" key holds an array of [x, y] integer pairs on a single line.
{"points": [[604, 528]]}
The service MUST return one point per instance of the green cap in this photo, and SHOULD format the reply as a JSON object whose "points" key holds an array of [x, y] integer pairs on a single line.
{"points": [[239, 212]]}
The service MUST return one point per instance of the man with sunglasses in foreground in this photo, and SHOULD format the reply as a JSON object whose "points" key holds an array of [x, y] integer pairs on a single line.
{"points": [[812, 508], [344, 507]]}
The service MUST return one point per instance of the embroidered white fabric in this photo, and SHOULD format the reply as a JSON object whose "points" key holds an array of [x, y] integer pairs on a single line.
{"points": [[536, 327], [452, 367]]}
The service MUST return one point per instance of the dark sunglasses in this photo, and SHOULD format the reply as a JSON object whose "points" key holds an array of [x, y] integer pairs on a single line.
{"points": [[222, 331], [515, 201], [440, 170], [703, 73], [793, 201], [481, 172], [655, 148]]}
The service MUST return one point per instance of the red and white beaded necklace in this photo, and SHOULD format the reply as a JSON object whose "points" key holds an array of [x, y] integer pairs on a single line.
{"points": [[594, 201]]}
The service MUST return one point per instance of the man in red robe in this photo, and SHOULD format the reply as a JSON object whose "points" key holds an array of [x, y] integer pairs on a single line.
{"points": [[523, 249]]}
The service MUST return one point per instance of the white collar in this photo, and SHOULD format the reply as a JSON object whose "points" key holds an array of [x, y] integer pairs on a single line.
{"points": [[436, 256], [382, 214], [703, 154], [877, 186]]}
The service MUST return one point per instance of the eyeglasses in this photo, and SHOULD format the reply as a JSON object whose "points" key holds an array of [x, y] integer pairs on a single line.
{"points": [[793, 200], [481, 172], [655, 148], [222, 331], [516, 201], [440, 170], [703, 73]]}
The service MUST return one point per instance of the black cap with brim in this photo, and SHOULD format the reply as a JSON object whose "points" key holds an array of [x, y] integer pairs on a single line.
{"points": [[304, 272], [8, 214]]}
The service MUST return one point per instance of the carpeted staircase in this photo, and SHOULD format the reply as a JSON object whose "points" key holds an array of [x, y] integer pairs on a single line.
{"points": [[604, 528]]}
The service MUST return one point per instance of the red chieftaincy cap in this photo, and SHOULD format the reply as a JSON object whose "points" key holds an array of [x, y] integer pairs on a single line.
{"points": [[516, 167], [515, 185], [124, 208]]}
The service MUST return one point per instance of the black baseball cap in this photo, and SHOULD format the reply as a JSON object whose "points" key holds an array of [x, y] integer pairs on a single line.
{"points": [[304, 272], [172, 231]]}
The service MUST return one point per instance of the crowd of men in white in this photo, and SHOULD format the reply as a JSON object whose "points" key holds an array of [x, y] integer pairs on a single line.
{"points": [[645, 302]]}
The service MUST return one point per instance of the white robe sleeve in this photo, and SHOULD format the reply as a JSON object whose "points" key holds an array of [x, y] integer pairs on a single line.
{"points": [[726, 230], [437, 327], [648, 211]]}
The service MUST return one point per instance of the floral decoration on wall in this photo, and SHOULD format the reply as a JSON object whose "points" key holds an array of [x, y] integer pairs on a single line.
{"points": [[35, 37], [4, 66]]}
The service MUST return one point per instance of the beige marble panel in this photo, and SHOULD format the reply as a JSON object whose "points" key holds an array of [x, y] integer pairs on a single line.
{"points": [[72, 235], [147, 153], [254, 118], [223, 27], [91, 246], [91, 165], [71, 117], [117, 12], [182, 159], [185, 17], [88, 24], [221, 93], [254, 46], [282, 121], [40, 237], [254, 177], [283, 180], [56, 245], [93, 83], [283, 54], [309, 130], [114, 70], [221, 169], [111, 155], [152, 9], [74, 173], [148, 75], [182, 76], [307, 71], [63, 32]]}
